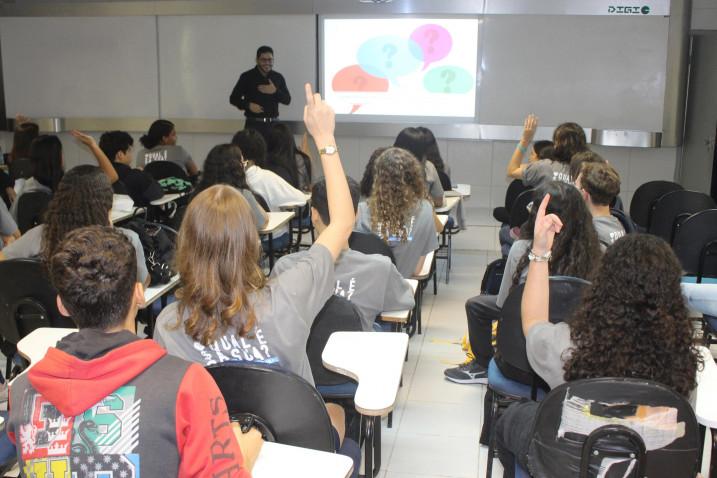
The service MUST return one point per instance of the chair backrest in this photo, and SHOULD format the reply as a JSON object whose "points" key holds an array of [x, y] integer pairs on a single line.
{"points": [[515, 188], [30, 208], [511, 357], [338, 315], [492, 277], [286, 406], [692, 237], [566, 441], [370, 244], [165, 169], [673, 207], [645, 195], [625, 220], [519, 212], [27, 300]]}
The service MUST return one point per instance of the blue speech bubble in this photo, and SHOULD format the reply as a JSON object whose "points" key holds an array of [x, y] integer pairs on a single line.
{"points": [[390, 56]]}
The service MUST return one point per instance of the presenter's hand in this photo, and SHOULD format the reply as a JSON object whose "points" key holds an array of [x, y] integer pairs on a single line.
{"points": [[529, 126], [254, 108], [269, 89], [319, 118]]}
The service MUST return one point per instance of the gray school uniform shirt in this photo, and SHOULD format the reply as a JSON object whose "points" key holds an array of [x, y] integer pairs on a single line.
{"points": [[609, 229], [285, 309], [369, 281], [169, 152], [433, 181], [547, 346], [543, 170], [422, 236], [30, 244], [256, 210], [7, 223], [517, 251]]}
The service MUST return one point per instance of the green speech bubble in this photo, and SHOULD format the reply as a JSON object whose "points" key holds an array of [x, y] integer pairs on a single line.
{"points": [[448, 79]]}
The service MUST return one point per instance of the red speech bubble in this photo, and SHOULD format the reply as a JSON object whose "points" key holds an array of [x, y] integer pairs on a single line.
{"points": [[354, 79]]}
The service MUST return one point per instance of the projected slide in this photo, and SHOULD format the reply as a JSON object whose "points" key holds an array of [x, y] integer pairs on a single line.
{"points": [[400, 67]]}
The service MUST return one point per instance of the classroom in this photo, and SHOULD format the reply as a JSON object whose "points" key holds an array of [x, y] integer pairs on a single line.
{"points": [[376, 238]]}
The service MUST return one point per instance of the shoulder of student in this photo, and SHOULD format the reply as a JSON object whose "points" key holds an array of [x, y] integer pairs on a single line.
{"points": [[27, 246]]}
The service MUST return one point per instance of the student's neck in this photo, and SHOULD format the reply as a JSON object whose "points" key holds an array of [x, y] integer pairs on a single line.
{"points": [[600, 211]]}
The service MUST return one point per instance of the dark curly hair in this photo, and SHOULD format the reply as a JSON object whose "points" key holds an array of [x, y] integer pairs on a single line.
{"points": [[633, 321], [83, 198], [576, 250], [222, 166], [367, 179]]}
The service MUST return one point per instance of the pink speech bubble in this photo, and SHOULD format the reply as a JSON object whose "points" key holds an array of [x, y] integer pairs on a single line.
{"points": [[434, 40], [354, 78]]}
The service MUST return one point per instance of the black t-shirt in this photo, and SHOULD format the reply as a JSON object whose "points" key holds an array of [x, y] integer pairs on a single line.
{"points": [[246, 91], [140, 186]]}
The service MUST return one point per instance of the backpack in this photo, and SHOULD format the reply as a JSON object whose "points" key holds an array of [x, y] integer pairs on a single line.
{"points": [[158, 245], [492, 277], [172, 185]]}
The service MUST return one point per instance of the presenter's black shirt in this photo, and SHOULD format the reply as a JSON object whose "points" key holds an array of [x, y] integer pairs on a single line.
{"points": [[246, 91]]}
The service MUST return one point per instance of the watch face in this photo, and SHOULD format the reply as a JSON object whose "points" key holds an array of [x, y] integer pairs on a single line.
{"points": [[329, 150]]}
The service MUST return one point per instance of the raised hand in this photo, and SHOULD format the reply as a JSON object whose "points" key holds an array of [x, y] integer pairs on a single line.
{"points": [[255, 108], [529, 126], [269, 89], [546, 227], [85, 139], [21, 119], [319, 118]]}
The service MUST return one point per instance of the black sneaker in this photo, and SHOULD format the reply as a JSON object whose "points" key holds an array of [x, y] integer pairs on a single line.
{"points": [[469, 372]]}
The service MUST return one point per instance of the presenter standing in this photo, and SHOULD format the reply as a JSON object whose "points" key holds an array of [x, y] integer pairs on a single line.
{"points": [[259, 92]]}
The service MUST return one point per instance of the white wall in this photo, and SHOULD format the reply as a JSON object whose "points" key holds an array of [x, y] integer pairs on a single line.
{"points": [[704, 15]]}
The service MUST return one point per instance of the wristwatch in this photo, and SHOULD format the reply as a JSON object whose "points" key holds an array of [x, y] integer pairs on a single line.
{"points": [[536, 258], [330, 149]]}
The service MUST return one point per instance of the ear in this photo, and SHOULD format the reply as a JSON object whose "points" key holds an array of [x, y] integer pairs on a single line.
{"points": [[138, 295], [61, 307]]}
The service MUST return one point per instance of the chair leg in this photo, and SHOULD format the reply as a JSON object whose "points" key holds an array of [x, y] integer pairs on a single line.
{"points": [[491, 440], [713, 457], [368, 446], [390, 419], [377, 445], [419, 306]]}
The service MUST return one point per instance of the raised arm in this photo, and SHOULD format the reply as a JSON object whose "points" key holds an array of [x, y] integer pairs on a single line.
{"points": [[534, 308], [320, 122], [102, 161], [516, 166]]}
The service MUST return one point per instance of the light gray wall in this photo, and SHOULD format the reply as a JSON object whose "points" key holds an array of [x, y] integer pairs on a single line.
{"points": [[704, 15]]}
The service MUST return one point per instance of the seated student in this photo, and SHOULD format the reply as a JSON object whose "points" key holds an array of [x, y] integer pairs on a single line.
{"points": [[568, 139], [83, 198], [227, 310], [397, 212], [285, 159], [18, 161], [367, 179], [140, 186], [160, 144], [370, 281], [599, 184], [224, 166], [267, 184], [47, 165], [629, 325], [575, 254], [418, 141], [8, 229], [103, 402]]}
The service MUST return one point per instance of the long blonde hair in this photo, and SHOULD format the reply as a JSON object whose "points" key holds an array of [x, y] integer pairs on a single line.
{"points": [[398, 187], [217, 257]]}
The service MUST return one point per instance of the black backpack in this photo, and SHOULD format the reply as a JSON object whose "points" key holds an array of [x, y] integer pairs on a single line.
{"points": [[158, 244]]}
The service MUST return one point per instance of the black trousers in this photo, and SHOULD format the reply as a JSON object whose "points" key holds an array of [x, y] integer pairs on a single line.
{"points": [[481, 311], [263, 127], [514, 430]]}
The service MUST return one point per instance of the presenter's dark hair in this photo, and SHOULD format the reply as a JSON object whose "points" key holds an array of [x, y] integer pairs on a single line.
{"points": [[112, 142], [157, 131], [222, 166], [252, 145], [22, 138], [320, 201], [264, 49], [415, 141], [94, 270], [46, 157]]}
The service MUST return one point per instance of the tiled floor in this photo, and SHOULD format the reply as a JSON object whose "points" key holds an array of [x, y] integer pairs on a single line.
{"points": [[437, 423]]}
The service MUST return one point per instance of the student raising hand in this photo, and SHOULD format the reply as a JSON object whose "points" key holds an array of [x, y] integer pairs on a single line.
{"points": [[319, 117], [102, 160], [546, 227]]}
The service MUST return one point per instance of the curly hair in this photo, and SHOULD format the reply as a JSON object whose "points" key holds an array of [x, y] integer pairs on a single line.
{"points": [[222, 166], [83, 198], [398, 188], [218, 259], [576, 250], [367, 179], [633, 321]]}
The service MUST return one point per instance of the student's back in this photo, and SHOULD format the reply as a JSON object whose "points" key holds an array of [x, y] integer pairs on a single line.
{"points": [[160, 144]]}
